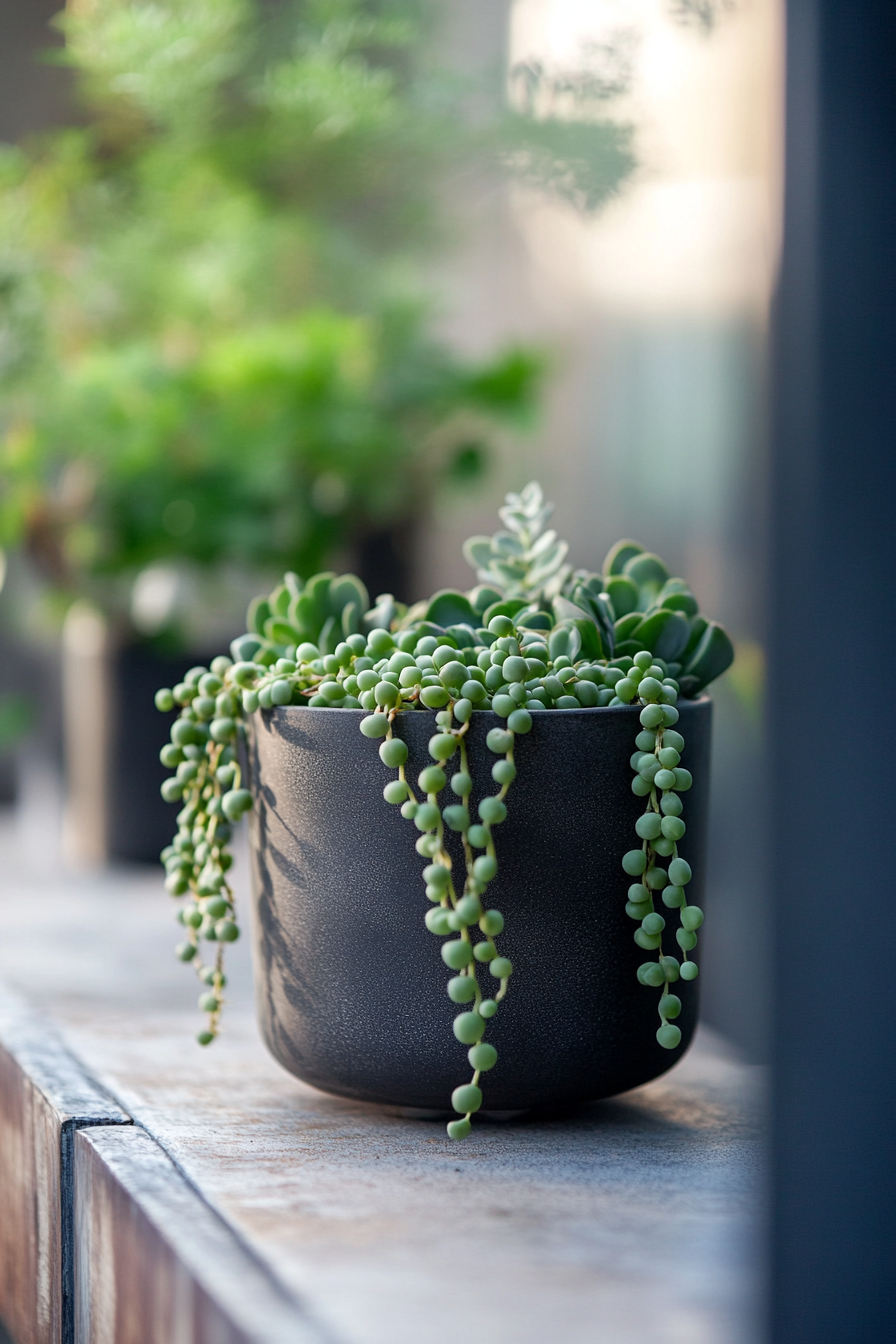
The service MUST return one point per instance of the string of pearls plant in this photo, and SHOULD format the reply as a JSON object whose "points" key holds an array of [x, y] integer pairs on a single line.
{"points": [[532, 636]]}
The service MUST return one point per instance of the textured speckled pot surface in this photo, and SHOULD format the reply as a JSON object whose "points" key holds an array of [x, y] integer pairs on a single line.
{"points": [[351, 985]]}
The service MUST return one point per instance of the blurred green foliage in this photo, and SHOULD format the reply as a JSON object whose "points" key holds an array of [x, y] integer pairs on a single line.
{"points": [[16, 718], [214, 336]]}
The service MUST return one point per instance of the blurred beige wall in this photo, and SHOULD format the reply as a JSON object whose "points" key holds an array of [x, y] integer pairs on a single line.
{"points": [[653, 310]]}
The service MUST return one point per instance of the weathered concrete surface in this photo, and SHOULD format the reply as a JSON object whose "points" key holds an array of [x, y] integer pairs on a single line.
{"points": [[45, 1097], [632, 1220]]}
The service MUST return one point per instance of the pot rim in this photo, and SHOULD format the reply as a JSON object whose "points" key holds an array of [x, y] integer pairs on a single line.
{"points": [[701, 699]]}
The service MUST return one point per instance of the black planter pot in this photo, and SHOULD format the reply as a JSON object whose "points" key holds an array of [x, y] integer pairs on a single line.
{"points": [[113, 735], [139, 821], [350, 983]]}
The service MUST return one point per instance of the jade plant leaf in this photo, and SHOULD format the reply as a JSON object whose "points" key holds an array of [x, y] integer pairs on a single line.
{"points": [[593, 583], [280, 599], [619, 555], [430, 628], [259, 612], [344, 589], [605, 621], [380, 616], [623, 593], [565, 639], [303, 615], [686, 603], [564, 610], [280, 632], [713, 655], [649, 573], [330, 635], [482, 596], [673, 585], [309, 611], [448, 607], [698, 626], [664, 633], [592, 644], [244, 648], [351, 619], [463, 635], [511, 607], [599, 607], [626, 625], [478, 552], [535, 620]]}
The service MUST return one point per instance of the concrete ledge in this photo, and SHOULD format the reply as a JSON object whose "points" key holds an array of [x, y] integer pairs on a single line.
{"points": [[45, 1096], [154, 1264]]}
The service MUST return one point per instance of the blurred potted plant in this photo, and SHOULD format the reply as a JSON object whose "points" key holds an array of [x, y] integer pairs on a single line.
{"points": [[215, 344], [566, 711]]}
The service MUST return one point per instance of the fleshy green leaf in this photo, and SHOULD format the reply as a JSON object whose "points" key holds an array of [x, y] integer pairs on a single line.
{"points": [[619, 555], [623, 593], [565, 639], [649, 573], [278, 632], [259, 612], [280, 599], [483, 596], [508, 608], [626, 625], [713, 655], [449, 607], [330, 635], [664, 633], [592, 644], [351, 619], [478, 552], [344, 589], [686, 603], [698, 626], [463, 635], [381, 616]]}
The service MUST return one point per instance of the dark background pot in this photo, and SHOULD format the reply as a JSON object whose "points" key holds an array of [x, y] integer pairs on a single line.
{"points": [[351, 985], [139, 821], [113, 735]]}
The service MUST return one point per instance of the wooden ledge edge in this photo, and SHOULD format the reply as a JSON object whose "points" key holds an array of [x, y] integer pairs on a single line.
{"points": [[36, 1048], [154, 1262]]}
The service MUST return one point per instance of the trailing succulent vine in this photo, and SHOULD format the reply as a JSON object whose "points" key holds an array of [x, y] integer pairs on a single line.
{"points": [[533, 635]]}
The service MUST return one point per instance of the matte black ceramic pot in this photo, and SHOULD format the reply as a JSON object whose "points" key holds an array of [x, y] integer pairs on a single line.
{"points": [[350, 983], [139, 823]]}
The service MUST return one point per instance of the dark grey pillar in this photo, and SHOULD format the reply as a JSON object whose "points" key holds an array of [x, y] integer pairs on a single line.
{"points": [[833, 660], [34, 93]]}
